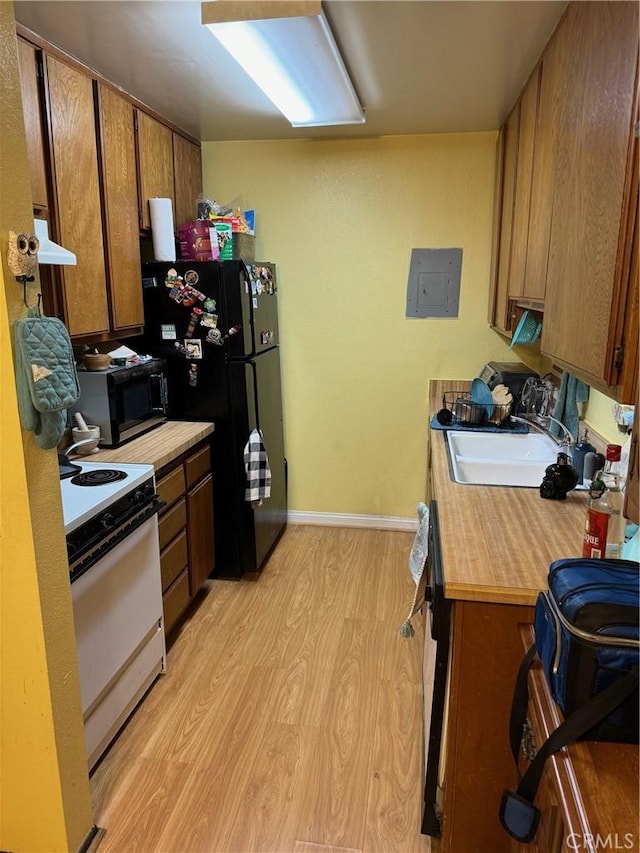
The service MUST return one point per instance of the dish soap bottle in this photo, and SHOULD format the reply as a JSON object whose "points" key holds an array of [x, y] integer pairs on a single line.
{"points": [[605, 524]]}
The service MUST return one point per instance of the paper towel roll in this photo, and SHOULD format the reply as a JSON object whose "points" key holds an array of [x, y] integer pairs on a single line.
{"points": [[164, 244]]}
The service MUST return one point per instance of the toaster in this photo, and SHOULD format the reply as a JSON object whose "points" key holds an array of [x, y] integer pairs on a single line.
{"points": [[513, 374]]}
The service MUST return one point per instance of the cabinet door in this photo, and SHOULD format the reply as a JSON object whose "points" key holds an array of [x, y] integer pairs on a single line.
{"points": [[502, 319], [155, 164], [542, 179], [79, 215], [120, 209], [200, 533], [187, 166], [524, 170], [31, 105], [632, 491], [585, 283]]}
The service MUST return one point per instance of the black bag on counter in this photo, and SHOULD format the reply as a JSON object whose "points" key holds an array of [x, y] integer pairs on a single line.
{"points": [[588, 641]]}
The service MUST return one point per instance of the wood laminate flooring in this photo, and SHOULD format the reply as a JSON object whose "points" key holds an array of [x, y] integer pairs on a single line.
{"points": [[289, 719]]}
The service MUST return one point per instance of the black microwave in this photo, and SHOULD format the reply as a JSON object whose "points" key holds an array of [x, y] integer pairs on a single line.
{"points": [[124, 402]]}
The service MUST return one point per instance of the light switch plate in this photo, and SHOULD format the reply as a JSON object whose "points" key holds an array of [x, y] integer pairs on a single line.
{"points": [[433, 289]]}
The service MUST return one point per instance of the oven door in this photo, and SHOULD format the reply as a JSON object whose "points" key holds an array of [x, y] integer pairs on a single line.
{"points": [[117, 610], [437, 648]]}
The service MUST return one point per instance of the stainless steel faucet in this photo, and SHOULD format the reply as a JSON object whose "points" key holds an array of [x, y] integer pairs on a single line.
{"points": [[536, 398], [565, 442]]}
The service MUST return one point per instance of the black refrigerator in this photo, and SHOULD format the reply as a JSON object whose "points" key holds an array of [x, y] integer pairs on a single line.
{"points": [[216, 324]]}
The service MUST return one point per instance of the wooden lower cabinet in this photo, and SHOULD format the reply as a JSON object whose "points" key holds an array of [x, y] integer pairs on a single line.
{"points": [[588, 791], [485, 655], [200, 527], [185, 529]]}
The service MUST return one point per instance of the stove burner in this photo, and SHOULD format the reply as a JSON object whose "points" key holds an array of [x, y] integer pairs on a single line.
{"points": [[100, 477]]}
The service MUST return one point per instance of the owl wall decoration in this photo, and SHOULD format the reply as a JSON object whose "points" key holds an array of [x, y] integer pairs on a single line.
{"points": [[22, 255]]}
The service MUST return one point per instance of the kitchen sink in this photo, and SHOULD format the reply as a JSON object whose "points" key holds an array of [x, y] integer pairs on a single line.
{"points": [[500, 459]]}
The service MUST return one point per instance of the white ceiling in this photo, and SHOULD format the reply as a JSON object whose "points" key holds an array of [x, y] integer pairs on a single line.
{"points": [[419, 66]]}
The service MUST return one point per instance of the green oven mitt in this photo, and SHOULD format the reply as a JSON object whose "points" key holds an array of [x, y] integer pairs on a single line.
{"points": [[46, 377]]}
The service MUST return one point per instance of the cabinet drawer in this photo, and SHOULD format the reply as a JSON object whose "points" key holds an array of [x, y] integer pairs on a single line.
{"points": [[175, 601], [172, 522], [173, 560], [172, 486], [198, 465]]}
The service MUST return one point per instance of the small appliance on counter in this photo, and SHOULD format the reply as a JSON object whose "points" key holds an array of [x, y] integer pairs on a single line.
{"points": [[511, 374], [124, 402]]}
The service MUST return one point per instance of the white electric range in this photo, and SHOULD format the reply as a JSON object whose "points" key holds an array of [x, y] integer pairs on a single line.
{"points": [[111, 527], [104, 483]]}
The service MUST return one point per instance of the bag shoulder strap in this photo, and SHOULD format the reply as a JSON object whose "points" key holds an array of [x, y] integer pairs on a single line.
{"points": [[518, 815], [578, 723]]}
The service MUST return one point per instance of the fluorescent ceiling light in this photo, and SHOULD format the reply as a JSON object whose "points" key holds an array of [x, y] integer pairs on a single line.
{"points": [[294, 60]]}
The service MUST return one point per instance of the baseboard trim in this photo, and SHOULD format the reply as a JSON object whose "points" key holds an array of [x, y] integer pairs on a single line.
{"points": [[331, 519]]}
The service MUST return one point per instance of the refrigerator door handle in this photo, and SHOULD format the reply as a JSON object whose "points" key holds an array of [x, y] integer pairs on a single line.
{"points": [[254, 377], [249, 295]]}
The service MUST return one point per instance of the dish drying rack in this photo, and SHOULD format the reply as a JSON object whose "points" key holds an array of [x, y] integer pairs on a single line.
{"points": [[465, 411]]}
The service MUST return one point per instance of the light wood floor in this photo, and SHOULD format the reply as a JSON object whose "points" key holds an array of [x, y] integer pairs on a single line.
{"points": [[289, 719]]}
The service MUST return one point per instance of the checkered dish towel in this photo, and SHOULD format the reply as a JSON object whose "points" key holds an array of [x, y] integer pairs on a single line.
{"points": [[256, 464]]}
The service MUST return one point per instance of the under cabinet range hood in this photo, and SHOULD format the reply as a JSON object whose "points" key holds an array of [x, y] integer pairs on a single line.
{"points": [[48, 251]]}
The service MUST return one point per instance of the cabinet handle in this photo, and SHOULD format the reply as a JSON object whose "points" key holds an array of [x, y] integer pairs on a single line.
{"points": [[618, 356]]}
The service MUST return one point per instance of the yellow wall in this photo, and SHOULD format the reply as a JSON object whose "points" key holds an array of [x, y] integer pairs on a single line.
{"points": [[340, 219], [599, 416], [44, 789]]}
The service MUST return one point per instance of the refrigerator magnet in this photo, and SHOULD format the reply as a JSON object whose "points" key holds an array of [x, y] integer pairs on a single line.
{"points": [[191, 277], [209, 305], [176, 293], [168, 332], [193, 348], [214, 336], [193, 321], [193, 375], [173, 278], [209, 320]]}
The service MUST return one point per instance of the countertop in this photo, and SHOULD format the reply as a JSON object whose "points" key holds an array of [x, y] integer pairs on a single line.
{"points": [[158, 447], [497, 542]]}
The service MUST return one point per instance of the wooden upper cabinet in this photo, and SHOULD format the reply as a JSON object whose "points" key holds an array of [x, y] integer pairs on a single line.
{"points": [[502, 319], [29, 59], [524, 170], [543, 172], [187, 167], [77, 203], [120, 208], [594, 191], [155, 165]]}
